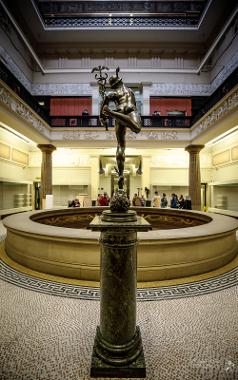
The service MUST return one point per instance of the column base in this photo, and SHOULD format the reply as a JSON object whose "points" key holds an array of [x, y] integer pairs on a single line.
{"points": [[111, 366]]}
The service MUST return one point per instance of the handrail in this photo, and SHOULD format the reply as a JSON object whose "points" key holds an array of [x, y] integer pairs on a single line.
{"points": [[147, 121]]}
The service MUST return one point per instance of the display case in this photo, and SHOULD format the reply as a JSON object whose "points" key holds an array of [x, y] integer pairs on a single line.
{"points": [[224, 196], [15, 196]]}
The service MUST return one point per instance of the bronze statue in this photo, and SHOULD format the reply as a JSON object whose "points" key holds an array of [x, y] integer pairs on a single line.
{"points": [[125, 114]]}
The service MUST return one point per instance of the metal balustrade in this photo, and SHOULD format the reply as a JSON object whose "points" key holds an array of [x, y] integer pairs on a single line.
{"points": [[147, 121]]}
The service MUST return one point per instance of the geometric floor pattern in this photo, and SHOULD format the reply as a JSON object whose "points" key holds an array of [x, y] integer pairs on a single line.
{"points": [[211, 285], [44, 337]]}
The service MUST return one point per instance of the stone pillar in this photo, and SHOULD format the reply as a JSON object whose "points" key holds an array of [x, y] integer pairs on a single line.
{"points": [[94, 164], [145, 177], [46, 171], [194, 175], [146, 99], [95, 98], [212, 200], [118, 350]]}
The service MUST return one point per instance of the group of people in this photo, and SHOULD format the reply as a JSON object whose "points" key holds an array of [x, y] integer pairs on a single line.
{"points": [[175, 202], [157, 201], [103, 199], [138, 200], [74, 203]]}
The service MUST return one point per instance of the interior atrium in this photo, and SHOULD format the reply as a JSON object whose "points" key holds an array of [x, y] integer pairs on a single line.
{"points": [[180, 58]]}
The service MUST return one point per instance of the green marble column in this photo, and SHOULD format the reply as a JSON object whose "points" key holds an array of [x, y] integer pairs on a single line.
{"points": [[46, 171], [194, 175], [118, 350]]}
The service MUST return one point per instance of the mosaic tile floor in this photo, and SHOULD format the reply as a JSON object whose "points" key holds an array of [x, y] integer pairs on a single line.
{"points": [[190, 289], [47, 337]]}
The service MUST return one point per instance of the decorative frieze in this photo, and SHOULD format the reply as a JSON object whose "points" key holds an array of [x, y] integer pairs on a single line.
{"points": [[225, 106], [86, 135], [21, 109], [180, 89], [110, 136], [15, 70], [157, 89], [64, 89]]}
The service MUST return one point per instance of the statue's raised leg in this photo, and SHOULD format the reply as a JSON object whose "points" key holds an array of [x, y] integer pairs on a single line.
{"points": [[131, 120]]}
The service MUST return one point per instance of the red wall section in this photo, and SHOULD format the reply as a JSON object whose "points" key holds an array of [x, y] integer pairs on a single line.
{"points": [[70, 106], [166, 105]]}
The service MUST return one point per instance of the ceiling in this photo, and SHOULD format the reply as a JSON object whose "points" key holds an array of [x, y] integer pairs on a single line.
{"points": [[164, 25]]}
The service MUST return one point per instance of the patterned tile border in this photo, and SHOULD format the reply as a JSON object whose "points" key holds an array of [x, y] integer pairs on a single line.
{"points": [[191, 289]]}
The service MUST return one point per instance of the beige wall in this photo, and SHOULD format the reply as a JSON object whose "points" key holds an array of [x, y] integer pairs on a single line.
{"points": [[71, 176], [14, 157], [162, 169]]}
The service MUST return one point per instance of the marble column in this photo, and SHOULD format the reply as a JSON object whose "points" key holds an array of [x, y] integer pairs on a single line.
{"points": [[211, 194], [145, 177], [118, 350], [95, 98], [94, 164], [194, 175], [46, 171], [146, 98]]}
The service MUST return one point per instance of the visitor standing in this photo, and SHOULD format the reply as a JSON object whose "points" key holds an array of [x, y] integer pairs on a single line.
{"points": [[164, 201], [156, 200]]}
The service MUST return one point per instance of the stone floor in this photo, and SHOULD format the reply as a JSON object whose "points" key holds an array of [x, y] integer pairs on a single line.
{"points": [[49, 337]]}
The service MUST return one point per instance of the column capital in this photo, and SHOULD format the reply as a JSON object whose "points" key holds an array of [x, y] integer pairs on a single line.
{"points": [[194, 148], [48, 148], [146, 84]]}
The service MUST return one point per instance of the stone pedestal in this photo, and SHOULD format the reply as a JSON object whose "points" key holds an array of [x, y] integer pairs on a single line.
{"points": [[118, 350]]}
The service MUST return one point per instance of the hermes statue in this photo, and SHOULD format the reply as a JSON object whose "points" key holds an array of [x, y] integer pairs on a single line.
{"points": [[125, 115]]}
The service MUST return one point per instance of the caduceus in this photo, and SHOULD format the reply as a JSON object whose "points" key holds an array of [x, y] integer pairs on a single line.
{"points": [[101, 77]]}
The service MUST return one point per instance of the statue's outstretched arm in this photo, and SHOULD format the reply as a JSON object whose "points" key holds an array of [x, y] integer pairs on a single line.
{"points": [[103, 117]]}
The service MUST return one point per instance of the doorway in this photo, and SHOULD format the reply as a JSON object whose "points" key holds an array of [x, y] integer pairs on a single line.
{"points": [[114, 185]]}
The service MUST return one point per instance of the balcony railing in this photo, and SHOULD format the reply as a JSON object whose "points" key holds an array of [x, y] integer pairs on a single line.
{"points": [[175, 121], [147, 121], [7, 77]]}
